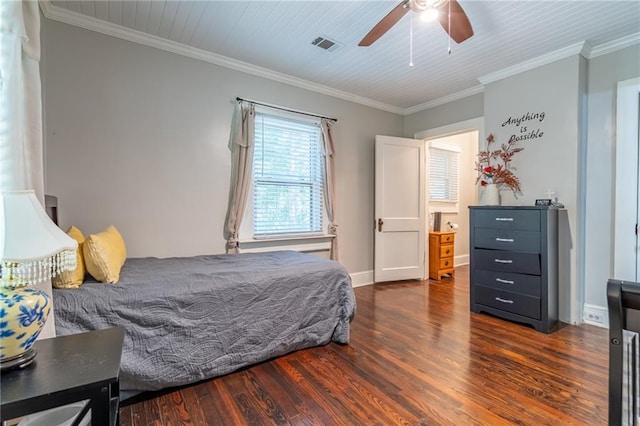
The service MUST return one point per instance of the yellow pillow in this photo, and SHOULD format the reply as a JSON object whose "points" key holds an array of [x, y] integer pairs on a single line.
{"points": [[72, 279], [104, 255]]}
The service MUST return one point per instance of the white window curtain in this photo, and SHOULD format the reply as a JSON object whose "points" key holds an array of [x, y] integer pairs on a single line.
{"points": [[329, 184], [241, 147], [21, 152], [21, 160]]}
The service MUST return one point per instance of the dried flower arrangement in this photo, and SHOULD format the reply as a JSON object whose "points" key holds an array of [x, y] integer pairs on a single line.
{"points": [[499, 173]]}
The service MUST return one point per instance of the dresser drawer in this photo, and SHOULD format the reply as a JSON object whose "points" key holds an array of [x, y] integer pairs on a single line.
{"points": [[446, 250], [506, 281], [446, 263], [447, 238], [524, 220], [511, 302], [507, 239], [506, 261]]}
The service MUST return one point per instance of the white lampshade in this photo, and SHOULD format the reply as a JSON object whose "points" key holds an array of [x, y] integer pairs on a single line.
{"points": [[32, 248]]}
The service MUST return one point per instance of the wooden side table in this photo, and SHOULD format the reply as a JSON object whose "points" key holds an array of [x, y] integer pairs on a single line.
{"points": [[68, 369], [441, 245]]}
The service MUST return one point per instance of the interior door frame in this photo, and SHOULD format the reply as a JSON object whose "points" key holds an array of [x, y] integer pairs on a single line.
{"points": [[625, 261], [471, 125]]}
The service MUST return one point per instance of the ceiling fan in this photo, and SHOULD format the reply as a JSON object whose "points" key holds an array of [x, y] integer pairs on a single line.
{"points": [[448, 12]]}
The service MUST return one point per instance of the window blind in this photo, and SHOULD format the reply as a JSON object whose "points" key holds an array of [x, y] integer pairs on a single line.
{"points": [[443, 174], [287, 177]]}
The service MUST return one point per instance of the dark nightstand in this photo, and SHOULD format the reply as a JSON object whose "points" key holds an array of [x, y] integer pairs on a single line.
{"points": [[68, 369]]}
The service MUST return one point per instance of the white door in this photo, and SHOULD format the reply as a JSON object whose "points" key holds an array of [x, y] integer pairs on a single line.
{"points": [[400, 174]]}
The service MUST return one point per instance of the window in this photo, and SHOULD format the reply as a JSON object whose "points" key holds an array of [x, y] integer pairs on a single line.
{"points": [[287, 177], [443, 173]]}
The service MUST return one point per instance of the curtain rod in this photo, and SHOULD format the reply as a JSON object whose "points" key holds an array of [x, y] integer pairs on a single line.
{"points": [[286, 109]]}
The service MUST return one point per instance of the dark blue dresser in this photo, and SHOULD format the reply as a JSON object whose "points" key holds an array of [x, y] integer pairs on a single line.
{"points": [[514, 263]]}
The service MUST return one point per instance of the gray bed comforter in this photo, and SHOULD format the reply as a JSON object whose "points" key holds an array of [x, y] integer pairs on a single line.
{"points": [[189, 319]]}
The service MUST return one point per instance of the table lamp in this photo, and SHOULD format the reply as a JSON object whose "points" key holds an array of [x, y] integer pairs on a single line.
{"points": [[32, 250]]}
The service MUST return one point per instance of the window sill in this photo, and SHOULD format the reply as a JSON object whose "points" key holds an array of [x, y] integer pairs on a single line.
{"points": [[298, 243]]}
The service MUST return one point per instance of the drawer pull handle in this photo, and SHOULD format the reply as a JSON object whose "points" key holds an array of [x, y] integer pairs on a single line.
{"points": [[448, 251], [446, 263], [499, 299], [505, 240], [503, 260], [504, 219], [500, 280]]}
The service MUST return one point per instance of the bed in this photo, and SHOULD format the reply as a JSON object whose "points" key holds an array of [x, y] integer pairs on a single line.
{"points": [[189, 319]]}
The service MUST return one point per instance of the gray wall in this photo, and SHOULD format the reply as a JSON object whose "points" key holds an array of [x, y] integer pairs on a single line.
{"points": [[452, 112], [588, 160], [137, 137], [549, 162]]}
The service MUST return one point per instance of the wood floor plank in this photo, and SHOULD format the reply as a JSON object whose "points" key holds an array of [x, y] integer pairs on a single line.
{"points": [[417, 356]]}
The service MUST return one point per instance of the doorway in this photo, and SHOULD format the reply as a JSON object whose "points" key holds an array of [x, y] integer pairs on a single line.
{"points": [[467, 135]]}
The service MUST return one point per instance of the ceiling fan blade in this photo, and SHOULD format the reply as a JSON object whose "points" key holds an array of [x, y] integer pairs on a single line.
{"points": [[460, 26], [385, 24]]}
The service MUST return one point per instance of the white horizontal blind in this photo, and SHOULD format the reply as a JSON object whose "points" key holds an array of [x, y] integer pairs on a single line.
{"points": [[287, 177], [443, 175]]}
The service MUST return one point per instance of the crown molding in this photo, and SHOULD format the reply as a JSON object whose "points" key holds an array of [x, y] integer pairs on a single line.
{"points": [[89, 23], [612, 46], [444, 100], [581, 48], [83, 21]]}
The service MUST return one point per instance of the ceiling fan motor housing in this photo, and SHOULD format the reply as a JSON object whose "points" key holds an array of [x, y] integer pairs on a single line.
{"points": [[420, 5]]}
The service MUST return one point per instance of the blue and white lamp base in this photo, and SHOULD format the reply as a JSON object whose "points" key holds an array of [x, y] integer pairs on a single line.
{"points": [[23, 313]]}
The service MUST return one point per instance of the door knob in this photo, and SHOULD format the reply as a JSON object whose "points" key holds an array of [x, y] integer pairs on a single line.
{"points": [[380, 223]]}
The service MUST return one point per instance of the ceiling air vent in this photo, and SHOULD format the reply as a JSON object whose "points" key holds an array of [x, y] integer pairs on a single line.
{"points": [[326, 44]]}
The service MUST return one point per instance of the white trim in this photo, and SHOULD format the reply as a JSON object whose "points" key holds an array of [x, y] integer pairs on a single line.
{"points": [[87, 22], [444, 100], [460, 260], [615, 45], [600, 311], [465, 126], [291, 238], [304, 248], [359, 279], [443, 206], [444, 146], [581, 48], [626, 180]]}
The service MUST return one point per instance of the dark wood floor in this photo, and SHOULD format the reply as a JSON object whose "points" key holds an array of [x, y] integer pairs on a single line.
{"points": [[417, 357]]}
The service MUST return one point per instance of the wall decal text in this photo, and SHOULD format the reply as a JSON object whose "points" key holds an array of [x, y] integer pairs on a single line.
{"points": [[524, 131]]}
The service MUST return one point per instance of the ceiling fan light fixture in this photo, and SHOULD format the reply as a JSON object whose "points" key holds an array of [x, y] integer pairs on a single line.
{"points": [[430, 14]]}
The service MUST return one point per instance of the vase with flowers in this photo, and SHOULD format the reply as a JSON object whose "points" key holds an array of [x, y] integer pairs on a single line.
{"points": [[495, 171]]}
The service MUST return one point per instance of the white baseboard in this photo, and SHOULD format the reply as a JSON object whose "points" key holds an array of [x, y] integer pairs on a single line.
{"points": [[358, 279], [461, 260], [595, 315]]}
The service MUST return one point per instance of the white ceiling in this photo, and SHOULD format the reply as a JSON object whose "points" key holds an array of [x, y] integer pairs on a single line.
{"points": [[273, 38]]}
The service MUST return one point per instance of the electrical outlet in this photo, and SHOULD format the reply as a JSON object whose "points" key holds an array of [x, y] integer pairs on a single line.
{"points": [[593, 316]]}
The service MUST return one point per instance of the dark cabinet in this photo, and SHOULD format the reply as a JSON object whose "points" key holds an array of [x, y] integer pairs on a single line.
{"points": [[514, 263]]}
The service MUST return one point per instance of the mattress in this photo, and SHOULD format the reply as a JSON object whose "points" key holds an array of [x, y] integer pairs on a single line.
{"points": [[190, 319]]}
